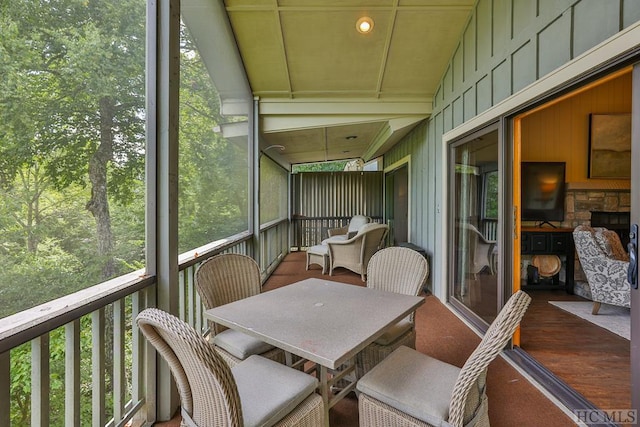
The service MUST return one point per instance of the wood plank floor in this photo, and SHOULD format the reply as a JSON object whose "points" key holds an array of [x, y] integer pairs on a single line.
{"points": [[592, 360]]}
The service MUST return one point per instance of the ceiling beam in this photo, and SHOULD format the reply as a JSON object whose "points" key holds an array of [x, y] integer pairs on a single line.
{"points": [[275, 124], [276, 106], [389, 135], [387, 44]]}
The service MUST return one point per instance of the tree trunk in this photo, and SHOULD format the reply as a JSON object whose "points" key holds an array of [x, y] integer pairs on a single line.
{"points": [[98, 205]]}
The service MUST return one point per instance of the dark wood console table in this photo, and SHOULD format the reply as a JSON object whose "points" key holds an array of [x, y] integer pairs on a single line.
{"points": [[550, 241]]}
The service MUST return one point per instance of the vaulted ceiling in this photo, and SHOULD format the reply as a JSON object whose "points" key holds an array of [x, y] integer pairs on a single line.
{"points": [[327, 91]]}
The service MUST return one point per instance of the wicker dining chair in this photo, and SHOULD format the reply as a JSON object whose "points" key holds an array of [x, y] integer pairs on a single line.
{"points": [[400, 270], [227, 278], [255, 392], [409, 388]]}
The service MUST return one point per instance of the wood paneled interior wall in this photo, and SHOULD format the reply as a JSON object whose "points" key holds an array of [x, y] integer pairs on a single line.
{"points": [[560, 133]]}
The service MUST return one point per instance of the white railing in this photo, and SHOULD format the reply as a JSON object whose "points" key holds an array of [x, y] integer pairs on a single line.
{"points": [[75, 376]]}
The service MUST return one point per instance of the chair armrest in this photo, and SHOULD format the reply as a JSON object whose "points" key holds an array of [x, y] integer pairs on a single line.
{"points": [[345, 241]]}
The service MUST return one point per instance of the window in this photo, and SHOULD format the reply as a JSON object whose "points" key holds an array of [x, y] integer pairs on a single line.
{"points": [[490, 195], [214, 157], [474, 254], [273, 191], [72, 147]]}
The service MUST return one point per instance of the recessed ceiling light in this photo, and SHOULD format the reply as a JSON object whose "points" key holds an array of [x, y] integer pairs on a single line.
{"points": [[351, 137], [364, 25]]}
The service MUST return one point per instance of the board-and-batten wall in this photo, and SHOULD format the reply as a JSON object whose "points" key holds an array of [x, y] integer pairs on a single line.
{"points": [[505, 46]]}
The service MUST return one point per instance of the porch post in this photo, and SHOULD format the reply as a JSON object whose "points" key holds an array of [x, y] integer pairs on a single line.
{"points": [[163, 82], [254, 184]]}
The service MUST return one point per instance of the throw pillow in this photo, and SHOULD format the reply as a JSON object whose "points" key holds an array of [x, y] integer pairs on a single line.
{"points": [[610, 243]]}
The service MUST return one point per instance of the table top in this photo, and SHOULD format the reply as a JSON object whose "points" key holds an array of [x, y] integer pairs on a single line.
{"points": [[320, 320]]}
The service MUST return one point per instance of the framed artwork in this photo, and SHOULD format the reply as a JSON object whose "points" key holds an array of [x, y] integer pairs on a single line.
{"points": [[610, 146]]}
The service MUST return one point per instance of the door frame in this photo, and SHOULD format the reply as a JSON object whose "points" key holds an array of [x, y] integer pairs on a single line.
{"points": [[405, 161], [635, 218]]}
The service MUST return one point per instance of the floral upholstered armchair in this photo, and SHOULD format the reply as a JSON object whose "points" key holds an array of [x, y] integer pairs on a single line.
{"points": [[605, 264]]}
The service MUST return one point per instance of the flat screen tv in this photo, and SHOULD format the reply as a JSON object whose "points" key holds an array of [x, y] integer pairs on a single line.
{"points": [[543, 191]]}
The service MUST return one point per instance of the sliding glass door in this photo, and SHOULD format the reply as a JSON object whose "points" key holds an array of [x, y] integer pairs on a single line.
{"points": [[474, 222]]}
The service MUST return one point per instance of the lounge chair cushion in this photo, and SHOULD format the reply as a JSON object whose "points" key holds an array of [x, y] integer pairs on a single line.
{"points": [[338, 238], [399, 382], [395, 332], [239, 344], [319, 250], [269, 390]]}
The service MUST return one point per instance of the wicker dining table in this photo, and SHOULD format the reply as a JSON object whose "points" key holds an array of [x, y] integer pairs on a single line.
{"points": [[320, 321]]}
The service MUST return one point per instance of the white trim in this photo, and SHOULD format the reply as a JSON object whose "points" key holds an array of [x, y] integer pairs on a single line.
{"points": [[440, 288], [398, 164]]}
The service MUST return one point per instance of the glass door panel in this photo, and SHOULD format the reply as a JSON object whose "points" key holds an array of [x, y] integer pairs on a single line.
{"points": [[474, 217]]}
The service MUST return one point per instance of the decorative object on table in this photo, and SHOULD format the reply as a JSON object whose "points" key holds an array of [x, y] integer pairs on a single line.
{"points": [[223, 279], [610, 146], [533, 277], [391, 395], [354, 253], [399, 270], [547, 265], [606, 275], [257, 391]]}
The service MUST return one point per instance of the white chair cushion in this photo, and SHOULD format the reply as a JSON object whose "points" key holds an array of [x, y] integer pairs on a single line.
{"points": [[240, 344], [318, 250], [269, 390], [339, 238], [413, 383], [356, 223], [395, 332]]}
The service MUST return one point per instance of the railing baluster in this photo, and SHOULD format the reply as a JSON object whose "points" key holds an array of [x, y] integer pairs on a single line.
{"points": [[198, 301], [40, 381], [191, 298], [97, 368], [72, 374], [119, 366], [137, 347], [182, 295], [5, 388]]}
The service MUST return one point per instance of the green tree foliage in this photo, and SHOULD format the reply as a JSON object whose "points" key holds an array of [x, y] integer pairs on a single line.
{"points": [[74, 102], [336, 166], [72, 147]]}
